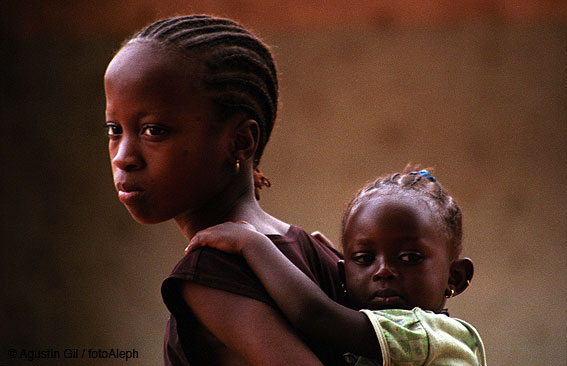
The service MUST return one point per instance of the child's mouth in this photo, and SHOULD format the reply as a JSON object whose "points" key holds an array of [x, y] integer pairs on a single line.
{"points": [[129, 194], [386, 298], [130, 197]]}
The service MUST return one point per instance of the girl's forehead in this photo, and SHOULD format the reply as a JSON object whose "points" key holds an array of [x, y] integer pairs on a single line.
{"points": [[391, 216], [391, 205], [146, 71], [145, 58]]}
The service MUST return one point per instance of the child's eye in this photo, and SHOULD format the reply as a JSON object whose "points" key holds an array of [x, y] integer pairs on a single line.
{"points": [[153, 131], [363, 258], [411, 257], [112, 129]]}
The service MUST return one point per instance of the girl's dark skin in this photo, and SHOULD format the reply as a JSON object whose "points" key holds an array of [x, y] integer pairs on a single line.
{"points": [[396, 256], [173, 159]]}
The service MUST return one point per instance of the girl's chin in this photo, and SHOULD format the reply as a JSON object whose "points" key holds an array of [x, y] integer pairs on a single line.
{"points": [[393, 302], [145, 218]]}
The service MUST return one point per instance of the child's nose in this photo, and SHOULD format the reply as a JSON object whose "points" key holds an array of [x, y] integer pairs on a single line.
{"points": [[384, 270], [127, 156]]}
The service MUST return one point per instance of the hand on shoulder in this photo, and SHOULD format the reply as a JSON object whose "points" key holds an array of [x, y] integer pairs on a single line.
{"points": [[230, 237]]}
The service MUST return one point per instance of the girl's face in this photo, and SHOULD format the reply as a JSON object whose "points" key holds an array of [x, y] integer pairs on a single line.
{"points": [[395, 255], [166, 159]]}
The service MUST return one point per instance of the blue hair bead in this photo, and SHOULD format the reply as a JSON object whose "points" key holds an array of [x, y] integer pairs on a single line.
{"points": [[425, 174]]}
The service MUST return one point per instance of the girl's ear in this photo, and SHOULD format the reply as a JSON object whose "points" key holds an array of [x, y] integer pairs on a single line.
{"points": [[461, 274], [246, 137], [343, 297], [342, 277]]}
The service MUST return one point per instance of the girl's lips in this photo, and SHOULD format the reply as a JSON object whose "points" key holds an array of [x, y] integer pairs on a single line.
{"points": [[385, 293], [386, 297], [130, 197], [127, 187], [386, 302], [129, 194]]}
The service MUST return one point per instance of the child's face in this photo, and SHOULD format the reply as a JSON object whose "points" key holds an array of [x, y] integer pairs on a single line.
{"points": [[395, 255], [165, 159]]}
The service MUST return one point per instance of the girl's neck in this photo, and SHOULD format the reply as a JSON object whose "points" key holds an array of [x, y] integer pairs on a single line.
{"points": [[238, 203]]}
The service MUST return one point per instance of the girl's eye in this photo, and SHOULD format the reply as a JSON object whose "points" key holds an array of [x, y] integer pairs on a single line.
{"points": [[363, 258], [411, 258], [153, 131], [112, 129]]}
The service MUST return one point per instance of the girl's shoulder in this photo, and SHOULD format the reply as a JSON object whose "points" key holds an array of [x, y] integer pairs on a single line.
{"points": [[410, 335], [297, 236]]}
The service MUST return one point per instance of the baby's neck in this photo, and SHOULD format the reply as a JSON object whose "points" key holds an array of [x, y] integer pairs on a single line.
{"points": [[444, 311]]}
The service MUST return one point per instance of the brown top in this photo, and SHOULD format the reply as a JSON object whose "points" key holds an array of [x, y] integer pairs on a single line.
{"points": [[213, 268]]}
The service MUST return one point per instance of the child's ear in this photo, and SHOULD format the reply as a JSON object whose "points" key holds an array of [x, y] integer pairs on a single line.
{"points": [[246, 137], [461, 274], [341, 267], [343, 298]]}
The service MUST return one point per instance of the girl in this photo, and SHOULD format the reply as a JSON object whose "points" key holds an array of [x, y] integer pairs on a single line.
{"points": [[190, 104], [402, 240]]}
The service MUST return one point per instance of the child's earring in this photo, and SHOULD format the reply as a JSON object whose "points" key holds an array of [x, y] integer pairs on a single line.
{"points": [[237, 167], [344, 288], [450, 295]]}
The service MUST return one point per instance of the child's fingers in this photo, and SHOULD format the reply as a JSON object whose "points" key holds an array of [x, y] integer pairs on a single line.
{"points": [[195, 243], [222, 236], [189, 248]]}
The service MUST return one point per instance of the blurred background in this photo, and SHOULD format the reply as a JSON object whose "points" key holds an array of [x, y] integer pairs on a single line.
{"points": [[476, 90]]}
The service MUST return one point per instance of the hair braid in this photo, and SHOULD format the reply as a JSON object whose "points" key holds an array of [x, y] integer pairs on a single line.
{"points": [[241, 74], [430, 191]]}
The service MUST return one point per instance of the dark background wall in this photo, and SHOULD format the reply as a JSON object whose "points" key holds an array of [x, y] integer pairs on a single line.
{"points": [[474, 89]]}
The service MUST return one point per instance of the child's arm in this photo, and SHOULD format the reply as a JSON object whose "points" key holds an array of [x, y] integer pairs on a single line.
{"points": [[307, 307]]}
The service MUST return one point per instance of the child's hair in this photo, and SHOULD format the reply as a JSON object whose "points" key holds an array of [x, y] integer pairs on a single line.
{"points": [[422, 184], [241, 74]]}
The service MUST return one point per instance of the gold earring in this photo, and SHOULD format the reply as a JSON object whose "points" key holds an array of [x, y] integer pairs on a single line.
{"points": [[452, 294], [344, 288], [237, 167], [468, 283]]}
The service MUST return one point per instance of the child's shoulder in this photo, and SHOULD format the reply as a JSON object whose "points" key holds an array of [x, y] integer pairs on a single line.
{"points": [[410, 335], [417, 318]]}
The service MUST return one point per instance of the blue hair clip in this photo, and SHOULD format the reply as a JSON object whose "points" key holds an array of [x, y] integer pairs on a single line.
{"points": [[425, 174]]}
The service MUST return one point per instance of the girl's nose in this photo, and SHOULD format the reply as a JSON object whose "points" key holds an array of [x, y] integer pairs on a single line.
{"points": [[384, 270], [127, 155]]}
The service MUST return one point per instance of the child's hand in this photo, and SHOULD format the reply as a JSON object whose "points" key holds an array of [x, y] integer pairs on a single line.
{"points": [[229, 237]]}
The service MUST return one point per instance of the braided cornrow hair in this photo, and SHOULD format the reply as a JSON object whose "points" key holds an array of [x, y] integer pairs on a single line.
{"points": [[423, 186], [240, 71]]}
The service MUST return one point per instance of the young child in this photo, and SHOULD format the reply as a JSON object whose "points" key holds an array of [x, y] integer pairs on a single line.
{"points": [[402, 240]]}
